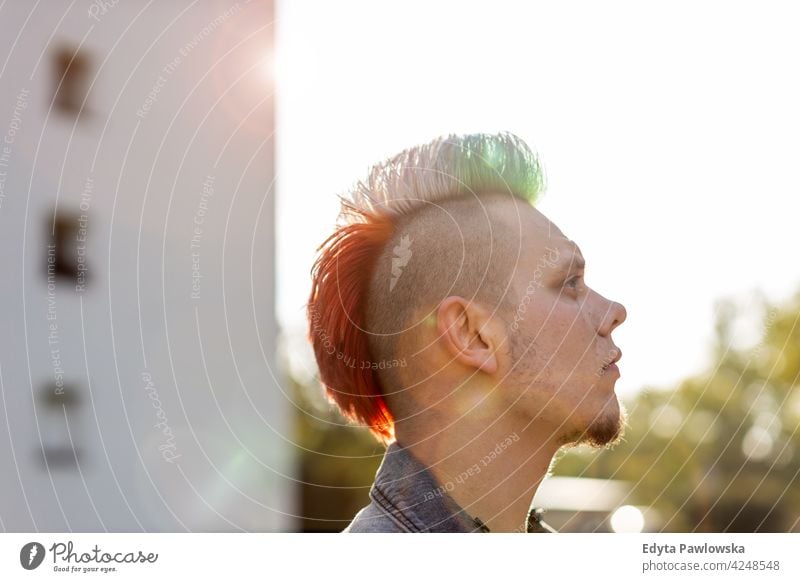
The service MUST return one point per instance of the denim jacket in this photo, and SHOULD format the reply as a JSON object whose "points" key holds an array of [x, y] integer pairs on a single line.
{"points": [[405, 497]]}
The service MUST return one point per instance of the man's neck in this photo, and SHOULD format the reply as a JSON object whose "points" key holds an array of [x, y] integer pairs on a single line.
{"points": [[493, 475]]}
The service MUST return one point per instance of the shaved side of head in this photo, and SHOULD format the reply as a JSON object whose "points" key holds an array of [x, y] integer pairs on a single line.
{"points": [[457, 247]]}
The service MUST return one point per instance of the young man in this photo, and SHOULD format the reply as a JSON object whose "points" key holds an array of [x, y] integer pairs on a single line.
{"points": [[451, 317]]}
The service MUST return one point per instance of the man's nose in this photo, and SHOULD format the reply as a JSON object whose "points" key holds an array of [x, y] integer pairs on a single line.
{"points": [[615, 314]]}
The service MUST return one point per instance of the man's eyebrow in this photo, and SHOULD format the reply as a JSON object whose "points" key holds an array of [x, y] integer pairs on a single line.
{"points": [[576, 262]]}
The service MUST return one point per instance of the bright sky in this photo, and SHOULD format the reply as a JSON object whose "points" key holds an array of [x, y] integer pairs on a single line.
{"points": [[670, 136]]}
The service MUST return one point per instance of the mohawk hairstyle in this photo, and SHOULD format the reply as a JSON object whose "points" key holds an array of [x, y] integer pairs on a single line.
{"points": [[446, 168]]}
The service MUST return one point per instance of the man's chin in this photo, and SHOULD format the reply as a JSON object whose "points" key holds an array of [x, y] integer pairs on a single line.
{"points": [[605, 430]]}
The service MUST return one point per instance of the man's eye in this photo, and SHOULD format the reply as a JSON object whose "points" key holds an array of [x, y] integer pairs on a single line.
{"points": [[573, 282]]}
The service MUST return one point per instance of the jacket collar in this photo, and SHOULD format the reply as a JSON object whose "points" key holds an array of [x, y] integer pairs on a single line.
{"points": [[412, 497]]}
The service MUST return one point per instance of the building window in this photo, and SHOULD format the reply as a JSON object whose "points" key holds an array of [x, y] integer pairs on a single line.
{"points": [[71, 76]]}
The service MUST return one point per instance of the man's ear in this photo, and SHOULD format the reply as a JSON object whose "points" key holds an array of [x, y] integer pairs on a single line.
{"points": [[468, 333]]}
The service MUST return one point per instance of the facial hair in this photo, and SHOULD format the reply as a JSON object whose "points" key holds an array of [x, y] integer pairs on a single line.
{"points": [[605, 430], [607, 427]]}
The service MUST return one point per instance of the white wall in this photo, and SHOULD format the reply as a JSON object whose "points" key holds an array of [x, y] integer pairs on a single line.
{"points": [[146, 341]]}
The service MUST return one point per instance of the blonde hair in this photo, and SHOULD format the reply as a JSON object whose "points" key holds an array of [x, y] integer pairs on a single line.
{"points": [[444, 168]]}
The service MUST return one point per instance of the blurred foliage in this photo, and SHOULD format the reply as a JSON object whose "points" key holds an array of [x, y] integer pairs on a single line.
{"points": [[337, 462], [721, 452]]}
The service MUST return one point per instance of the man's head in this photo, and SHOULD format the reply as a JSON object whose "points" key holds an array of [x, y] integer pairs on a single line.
{"points": [[445, 296]]}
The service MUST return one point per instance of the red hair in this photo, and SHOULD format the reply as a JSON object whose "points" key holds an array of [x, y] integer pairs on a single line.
{"points": [[336, 312]]}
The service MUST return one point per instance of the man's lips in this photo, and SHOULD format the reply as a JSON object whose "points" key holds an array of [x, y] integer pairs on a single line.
{"points": [[612, 364]]}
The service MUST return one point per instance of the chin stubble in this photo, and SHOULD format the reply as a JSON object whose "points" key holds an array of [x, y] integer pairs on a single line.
{"points": [[605, 430]]}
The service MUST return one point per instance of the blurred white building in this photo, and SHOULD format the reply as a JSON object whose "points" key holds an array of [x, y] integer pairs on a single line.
{"points": [[581, 504], [138, 331]]}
